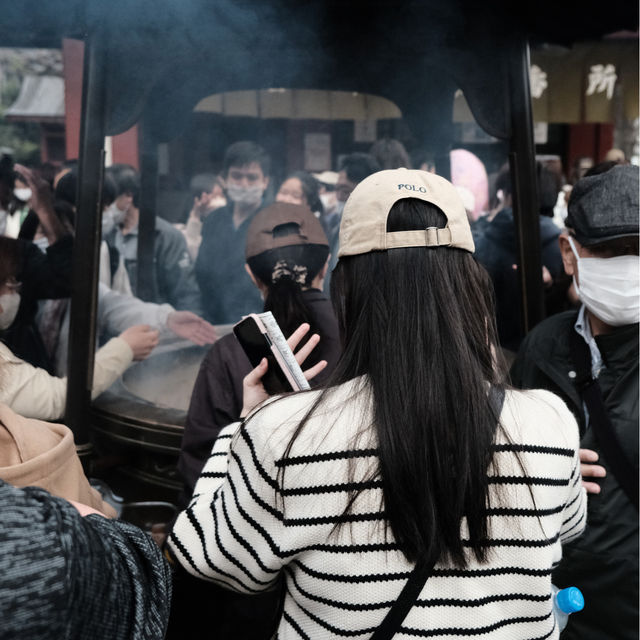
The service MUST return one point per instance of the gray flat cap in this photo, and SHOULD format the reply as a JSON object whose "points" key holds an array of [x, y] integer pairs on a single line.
{"points": [[605, 206]]}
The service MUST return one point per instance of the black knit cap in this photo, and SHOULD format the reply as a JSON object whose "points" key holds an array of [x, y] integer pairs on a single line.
{"points": [[605, 206]]}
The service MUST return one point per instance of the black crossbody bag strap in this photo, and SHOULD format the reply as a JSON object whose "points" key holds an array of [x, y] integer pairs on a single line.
{"points": [[421, 572], [607, 438], [407, 598]]}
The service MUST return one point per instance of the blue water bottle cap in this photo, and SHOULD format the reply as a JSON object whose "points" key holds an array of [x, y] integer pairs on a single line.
{"points": [[570, 600]]}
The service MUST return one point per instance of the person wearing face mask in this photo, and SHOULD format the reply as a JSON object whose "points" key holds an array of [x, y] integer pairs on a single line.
{"points": [[125, 180], [589, 357], [227, 291], [113, 272], [31, 391], [118, 309], [18, 208], [43, 274], [174, 281], [327, 191]]}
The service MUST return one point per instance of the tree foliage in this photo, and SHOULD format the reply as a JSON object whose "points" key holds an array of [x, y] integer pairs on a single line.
{"points": [[23, 138]]}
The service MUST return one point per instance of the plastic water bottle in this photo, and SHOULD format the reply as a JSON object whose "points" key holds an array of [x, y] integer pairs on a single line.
{"points": [[565, 602]]}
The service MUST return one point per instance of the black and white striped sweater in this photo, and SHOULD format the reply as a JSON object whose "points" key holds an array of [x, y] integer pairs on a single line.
{"points": [[341, 585]]}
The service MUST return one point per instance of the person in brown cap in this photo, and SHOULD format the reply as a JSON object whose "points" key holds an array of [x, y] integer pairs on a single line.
{"points": [[412, 466], [287, 254]]}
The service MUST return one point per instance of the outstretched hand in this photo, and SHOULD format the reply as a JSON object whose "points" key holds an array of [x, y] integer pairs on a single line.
{"points": [[589, 469], [253, 391], [192, 327], [142, 339]]}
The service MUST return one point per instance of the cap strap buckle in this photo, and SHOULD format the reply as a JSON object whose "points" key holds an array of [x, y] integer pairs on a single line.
{"points": [[431, 237], [437, 237]]}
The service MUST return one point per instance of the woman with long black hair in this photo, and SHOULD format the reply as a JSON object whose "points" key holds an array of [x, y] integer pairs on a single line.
{"points": [[414, 455]]}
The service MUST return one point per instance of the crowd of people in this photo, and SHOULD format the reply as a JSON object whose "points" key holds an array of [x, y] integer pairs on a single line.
{"points": [[439, 449]]}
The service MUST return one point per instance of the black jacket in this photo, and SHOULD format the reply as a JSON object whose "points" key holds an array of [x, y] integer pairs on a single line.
{"points": [[216, 400], [43, 276], [496, 250], [603, 562], [227, 291]]}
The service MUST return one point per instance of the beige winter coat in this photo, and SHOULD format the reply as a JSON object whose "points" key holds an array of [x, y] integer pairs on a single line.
{"points": [[34, 393], [41, 454]]}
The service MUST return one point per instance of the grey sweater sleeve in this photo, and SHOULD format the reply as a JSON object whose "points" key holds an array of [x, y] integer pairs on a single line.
{"points": [[174, 270], [65, 576]]}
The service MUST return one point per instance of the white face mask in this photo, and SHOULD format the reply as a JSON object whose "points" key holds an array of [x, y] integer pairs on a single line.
{"points": [[328, 200], [609, 287], [10, 302], [24, 194], [111, 217], [117, 215], [247, 196]]}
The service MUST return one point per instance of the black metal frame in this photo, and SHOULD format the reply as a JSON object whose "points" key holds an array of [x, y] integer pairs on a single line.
{"points": [[87, 244], [525, 188], [86, 251], [146, 279]]}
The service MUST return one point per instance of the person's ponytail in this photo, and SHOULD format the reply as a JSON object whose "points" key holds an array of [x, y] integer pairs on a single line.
{"points": [[285, 300], [287, 272]]}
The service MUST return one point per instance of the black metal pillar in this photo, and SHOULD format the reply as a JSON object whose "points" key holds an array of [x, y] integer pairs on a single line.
{"points": [[442, 159], [433, 126], [442, 132], [82, 328], [525, 189], [146, 289]]}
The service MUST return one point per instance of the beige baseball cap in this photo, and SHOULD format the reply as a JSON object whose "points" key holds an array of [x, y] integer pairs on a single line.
{"points": [[364, 219]]}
